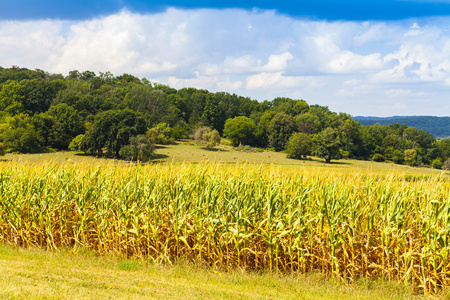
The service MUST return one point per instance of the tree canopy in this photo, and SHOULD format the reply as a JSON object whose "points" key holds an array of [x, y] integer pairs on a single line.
{"points": [[102, 113]]}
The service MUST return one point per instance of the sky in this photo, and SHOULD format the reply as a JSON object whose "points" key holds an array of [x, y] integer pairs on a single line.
{"points": [[366, 58]]}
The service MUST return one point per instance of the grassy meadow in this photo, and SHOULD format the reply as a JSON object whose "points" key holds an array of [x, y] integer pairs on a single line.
{"points": [[233, 211]]}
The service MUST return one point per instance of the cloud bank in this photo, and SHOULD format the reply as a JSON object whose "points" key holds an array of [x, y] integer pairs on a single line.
{"points": [[363, 68]]}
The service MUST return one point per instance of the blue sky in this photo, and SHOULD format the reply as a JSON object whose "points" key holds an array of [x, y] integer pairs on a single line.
{"points": [[379, 58], [318, 9]]}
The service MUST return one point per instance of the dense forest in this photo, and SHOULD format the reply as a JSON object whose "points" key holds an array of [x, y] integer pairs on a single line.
{"points": [[439, 127], [119, 116]]}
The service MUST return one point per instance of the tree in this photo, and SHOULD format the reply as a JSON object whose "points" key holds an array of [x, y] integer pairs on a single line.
{"points": [[10, 98], [410, 157], [160, 134], [327, 145], [240, 130], [76, 143], [67, 124], [205, 135], [444, 148], [139, 149], [307, 123], [398, 156], [280, 130], [24, 140], [299, 145], [112, 130], [214, 139], [38, 94], [2, 149], [20, 135], [437, 163], [261, 133]]}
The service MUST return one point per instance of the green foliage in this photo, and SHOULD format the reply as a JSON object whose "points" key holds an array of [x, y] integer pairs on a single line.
{"points": [[67, 124], [179, 132], [20, 135], [76, 143], [446, 164], [10, 98], [214, 139], [378, 157], [261, 133], [206, 136], [139, 149], [307, 123], [437, 163], [24, 140], [398, 157], [240, 130], [38, 94], [444, 148], [411, 157], [299, 145], [327, 145], [61, 108], [2, 149], [112, 130], [160, 134], [439, 127], [280, 130]]}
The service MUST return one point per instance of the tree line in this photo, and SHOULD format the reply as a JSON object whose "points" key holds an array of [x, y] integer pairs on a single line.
{"points": [[439, 127], [123, 116]]}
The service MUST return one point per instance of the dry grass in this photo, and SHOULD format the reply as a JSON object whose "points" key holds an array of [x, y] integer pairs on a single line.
{"points": [[38, 274]]}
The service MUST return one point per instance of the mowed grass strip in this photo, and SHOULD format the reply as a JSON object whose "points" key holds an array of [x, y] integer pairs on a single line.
{"points": [[38, 274]]}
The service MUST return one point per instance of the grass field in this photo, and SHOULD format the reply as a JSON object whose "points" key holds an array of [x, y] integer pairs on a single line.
{"points": [[39, 274], [231, 211], [188, 152]]}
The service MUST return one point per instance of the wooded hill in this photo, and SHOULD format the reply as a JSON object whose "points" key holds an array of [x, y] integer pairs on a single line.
{"points": [[439, 127], [118, 115]]}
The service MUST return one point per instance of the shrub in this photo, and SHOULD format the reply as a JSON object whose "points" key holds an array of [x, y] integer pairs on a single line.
{"points": [[299, 146], [76, 143], [160, 134], [446, 164], [437, 163], [139, 149], [378, 157], [2, 150], [205, 135]]}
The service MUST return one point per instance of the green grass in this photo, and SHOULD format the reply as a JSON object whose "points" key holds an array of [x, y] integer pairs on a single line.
{"points": [[188, 152], [39, 274]]}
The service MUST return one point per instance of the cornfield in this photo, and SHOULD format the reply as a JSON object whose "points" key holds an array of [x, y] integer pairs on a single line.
{"points": [[352, 224]]}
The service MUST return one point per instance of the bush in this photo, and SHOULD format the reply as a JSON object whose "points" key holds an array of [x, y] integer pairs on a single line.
{"points": [[299, 146], [378, 157], [240, 130], [398, 157], [139, 149], [437, 163], [2, 150], [179, 132], [205, 135], [161, 134], [446, 164], [76, 143]]}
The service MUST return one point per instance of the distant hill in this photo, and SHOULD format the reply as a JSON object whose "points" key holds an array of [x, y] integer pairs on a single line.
{"points": [[439, 127]]}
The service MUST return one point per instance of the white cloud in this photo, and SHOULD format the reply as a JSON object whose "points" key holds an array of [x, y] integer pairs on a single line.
{"points": [[277, 80], [256, 53]]}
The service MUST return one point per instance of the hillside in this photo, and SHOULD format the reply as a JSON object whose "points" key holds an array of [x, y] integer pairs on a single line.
{"points": [[439, 127]]}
